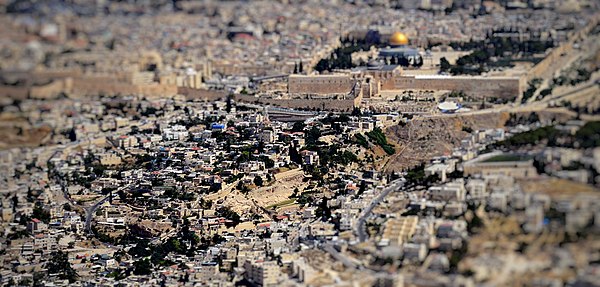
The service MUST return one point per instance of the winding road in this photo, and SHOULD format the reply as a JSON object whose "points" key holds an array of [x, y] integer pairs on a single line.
{"points": [[347, 261], [360, 223], [89, 213]]}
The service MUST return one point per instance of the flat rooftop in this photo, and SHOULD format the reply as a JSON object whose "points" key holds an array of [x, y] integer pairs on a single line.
{"points": [[508, 158]]}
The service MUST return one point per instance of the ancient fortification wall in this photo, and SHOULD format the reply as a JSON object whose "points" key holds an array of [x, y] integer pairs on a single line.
{"points": [[49, 90], [322, 84], [478, 87], [52, 89], [208, 95], [540, 68], [310, 104], [14, 92], [107, 86]]}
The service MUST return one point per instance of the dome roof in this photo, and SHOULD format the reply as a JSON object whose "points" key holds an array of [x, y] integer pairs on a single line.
{"points": [[449, 106], [374, 65], [398, 39]]}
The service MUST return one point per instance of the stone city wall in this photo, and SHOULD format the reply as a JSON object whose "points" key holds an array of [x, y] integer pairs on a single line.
{"points": [[82, 86], [14, 92], [478, 87], [543, 66], [58, 73], [52, 89], [208, 95], [46, 91], [540, 68], [108, 86], [320, 84], [310, 104]]}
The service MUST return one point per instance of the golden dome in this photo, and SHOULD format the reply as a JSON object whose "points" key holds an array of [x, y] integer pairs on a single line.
{"points": [[398, 39]]}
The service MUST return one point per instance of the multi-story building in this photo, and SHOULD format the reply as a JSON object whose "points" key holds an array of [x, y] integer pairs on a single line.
{"points": [[452, 191], [263, 273], [400, 230], [477, 189], [501, 164]]}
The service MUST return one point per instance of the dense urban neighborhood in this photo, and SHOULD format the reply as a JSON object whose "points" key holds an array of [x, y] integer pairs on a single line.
{"points": [[310, 143]]}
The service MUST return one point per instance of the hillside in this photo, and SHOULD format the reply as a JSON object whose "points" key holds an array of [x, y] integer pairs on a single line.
{"points": [[423, 138]]}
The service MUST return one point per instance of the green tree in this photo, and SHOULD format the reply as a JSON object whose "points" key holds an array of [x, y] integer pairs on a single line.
{"points": [[298, 127], [294, 155], [229, 104], [362, 187], [444, 64], [25, 282], [59, 265], [142, 267], [402, 61], [323, 210], [176, 245], [378, 137], [588, 136], [231, 215], [40, 213], [313, 135], [258, 181], [356, 112]]}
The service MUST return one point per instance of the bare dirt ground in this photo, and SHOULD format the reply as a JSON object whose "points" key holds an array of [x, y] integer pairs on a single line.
{"points": [[425, 137], [258, 199], [500, 240], [276, 193], [22, 137]]}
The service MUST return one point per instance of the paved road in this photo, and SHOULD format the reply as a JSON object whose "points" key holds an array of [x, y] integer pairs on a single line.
{"points": [[574, 90], [360, 223], [61, 181], [90, 212], [224, 192], [534, 106], [328, 247], [92, 209]]}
